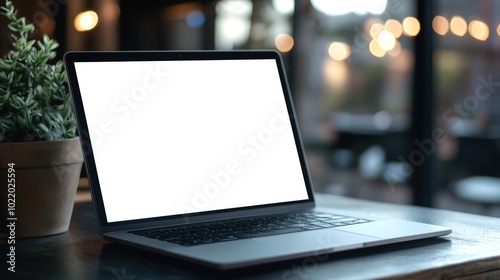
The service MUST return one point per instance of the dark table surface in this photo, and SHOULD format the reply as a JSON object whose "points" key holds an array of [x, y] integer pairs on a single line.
{"points": [[472, 251]]}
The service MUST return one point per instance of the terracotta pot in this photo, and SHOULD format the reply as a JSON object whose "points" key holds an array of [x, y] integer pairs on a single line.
{"points": [[46, 181]]}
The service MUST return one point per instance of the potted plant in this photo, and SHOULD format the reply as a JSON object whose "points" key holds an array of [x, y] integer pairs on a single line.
{"points": [[40, 154]]}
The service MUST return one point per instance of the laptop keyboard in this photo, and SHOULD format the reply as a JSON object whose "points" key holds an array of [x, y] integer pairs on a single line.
{"points": [[248, 228]]}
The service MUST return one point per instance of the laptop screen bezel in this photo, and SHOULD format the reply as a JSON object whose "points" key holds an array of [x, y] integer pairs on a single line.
{"points": [[71, 58]]}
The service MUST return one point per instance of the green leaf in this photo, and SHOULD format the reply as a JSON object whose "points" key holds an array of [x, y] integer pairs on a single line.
{"points": [[33, 93], [43, 127], [22, 122], [4, 97]]}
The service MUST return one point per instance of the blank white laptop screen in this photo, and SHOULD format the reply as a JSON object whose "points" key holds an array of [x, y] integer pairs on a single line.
{"points": [[178, 137]]}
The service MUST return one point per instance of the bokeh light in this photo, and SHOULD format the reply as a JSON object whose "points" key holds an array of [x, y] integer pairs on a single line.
{"points": [[368, 25], [338, 8], [195, 19], [394, 27], [479, 30], [386, 40], [375, 29], [376, 49], [284, 42], [458, 26], [339, 51], [86, 21], [440, 25], [396, 51], [411, 26], [284, 6]]}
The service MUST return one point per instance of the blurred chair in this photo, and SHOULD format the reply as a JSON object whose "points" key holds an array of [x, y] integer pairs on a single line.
{"points": [[484, 190], [480, 157]]}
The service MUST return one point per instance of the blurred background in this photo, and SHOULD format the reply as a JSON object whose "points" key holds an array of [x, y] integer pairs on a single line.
{"points": [[398, 100]]}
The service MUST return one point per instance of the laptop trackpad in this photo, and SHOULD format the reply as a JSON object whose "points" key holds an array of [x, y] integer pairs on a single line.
{"points": [[317, 240]]}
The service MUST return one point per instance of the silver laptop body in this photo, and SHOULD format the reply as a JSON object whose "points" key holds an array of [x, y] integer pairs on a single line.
{"points": [[191, 138]]}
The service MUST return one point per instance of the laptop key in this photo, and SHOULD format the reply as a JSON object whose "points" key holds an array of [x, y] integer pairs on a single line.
{"points": [[347, 219], [269, 233], [299, 225], [339, 224], [321, 225], [312, 227], [241, 229]]}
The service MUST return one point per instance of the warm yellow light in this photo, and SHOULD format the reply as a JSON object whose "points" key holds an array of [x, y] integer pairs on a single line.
{"points": [[479, 30], [386, 40], [411, 26], [110, 10], [284, 42], [375, 29], [86, 21], [440, 25], [376, 49], [498, 30], [335, 76], [458, 26], [339, 51], [396, 50], [394, 27], [369, 23]]}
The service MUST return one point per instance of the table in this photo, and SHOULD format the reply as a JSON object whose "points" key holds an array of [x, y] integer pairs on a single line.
{"points": [[471, 251]]}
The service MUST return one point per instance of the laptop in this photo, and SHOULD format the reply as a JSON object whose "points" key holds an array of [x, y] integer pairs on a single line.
{"points": [[197, 155]]}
